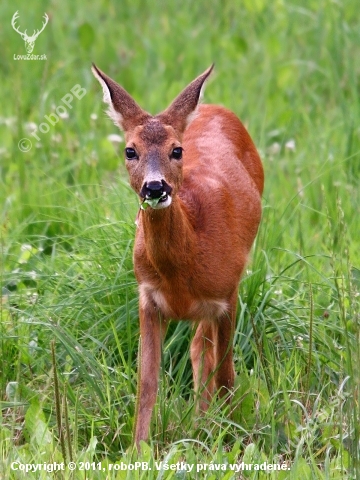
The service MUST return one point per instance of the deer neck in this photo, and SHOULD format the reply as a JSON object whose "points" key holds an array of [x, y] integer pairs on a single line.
{"points": [[169, 237]]}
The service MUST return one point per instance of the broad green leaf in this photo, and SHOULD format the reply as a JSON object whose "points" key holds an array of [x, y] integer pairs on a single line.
{"points": [[36, 426]]}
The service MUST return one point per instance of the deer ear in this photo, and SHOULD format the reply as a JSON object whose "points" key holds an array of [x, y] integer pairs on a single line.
{"points": [[123, 109], [183, 109]]}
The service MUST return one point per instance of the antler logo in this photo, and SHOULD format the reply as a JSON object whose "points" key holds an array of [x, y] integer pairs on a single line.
{"points": [[29, 41]]}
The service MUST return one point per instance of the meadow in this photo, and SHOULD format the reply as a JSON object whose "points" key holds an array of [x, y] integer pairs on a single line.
{"points": [[68, 314]]}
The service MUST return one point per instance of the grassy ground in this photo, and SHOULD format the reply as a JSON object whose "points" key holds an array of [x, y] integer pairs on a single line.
{"points": [[69, 324]]}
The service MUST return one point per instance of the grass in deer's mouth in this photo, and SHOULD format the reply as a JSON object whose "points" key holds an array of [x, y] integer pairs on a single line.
{"points": [[153, 202]]}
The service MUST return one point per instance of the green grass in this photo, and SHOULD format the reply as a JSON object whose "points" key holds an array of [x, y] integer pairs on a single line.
{"points": [[290, 70]]}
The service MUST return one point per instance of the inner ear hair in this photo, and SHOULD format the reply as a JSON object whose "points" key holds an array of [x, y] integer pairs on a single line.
{"points": [[115, 116], [123, 109]]}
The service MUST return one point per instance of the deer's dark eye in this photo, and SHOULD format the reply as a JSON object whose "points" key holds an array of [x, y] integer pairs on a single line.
{"points": [[177, 153], [130, 154]]}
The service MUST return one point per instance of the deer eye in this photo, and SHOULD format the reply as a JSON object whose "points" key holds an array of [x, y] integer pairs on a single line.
{"points": [[177, 153], [130, 154]]}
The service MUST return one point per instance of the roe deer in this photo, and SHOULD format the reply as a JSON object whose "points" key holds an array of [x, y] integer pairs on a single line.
{"points": [[197, 170]]}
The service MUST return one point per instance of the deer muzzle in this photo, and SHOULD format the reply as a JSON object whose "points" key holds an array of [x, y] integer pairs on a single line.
{"points": [[157, 193]]}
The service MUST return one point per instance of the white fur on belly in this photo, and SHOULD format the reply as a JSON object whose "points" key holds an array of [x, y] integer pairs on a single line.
{"points": [[197, 310]]}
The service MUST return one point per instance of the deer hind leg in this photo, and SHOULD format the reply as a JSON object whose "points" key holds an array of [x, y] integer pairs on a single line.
{"points": [[202, 356], [223, 331]]}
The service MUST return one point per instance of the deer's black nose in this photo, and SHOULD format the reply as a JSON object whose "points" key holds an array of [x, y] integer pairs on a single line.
{"points": [[155, 189]]}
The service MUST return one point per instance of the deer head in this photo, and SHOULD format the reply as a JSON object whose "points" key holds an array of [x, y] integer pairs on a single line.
{"points": [[29, 41], [153, 143]]}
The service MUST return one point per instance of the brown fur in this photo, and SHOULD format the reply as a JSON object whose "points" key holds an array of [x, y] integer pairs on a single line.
{"points": [[189, 257]]}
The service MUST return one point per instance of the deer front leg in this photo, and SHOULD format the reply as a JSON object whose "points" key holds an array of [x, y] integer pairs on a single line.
{"points": [[152, 330]]}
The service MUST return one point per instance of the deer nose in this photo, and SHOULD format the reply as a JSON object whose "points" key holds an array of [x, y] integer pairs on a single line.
{"points": [[155, 189]]}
